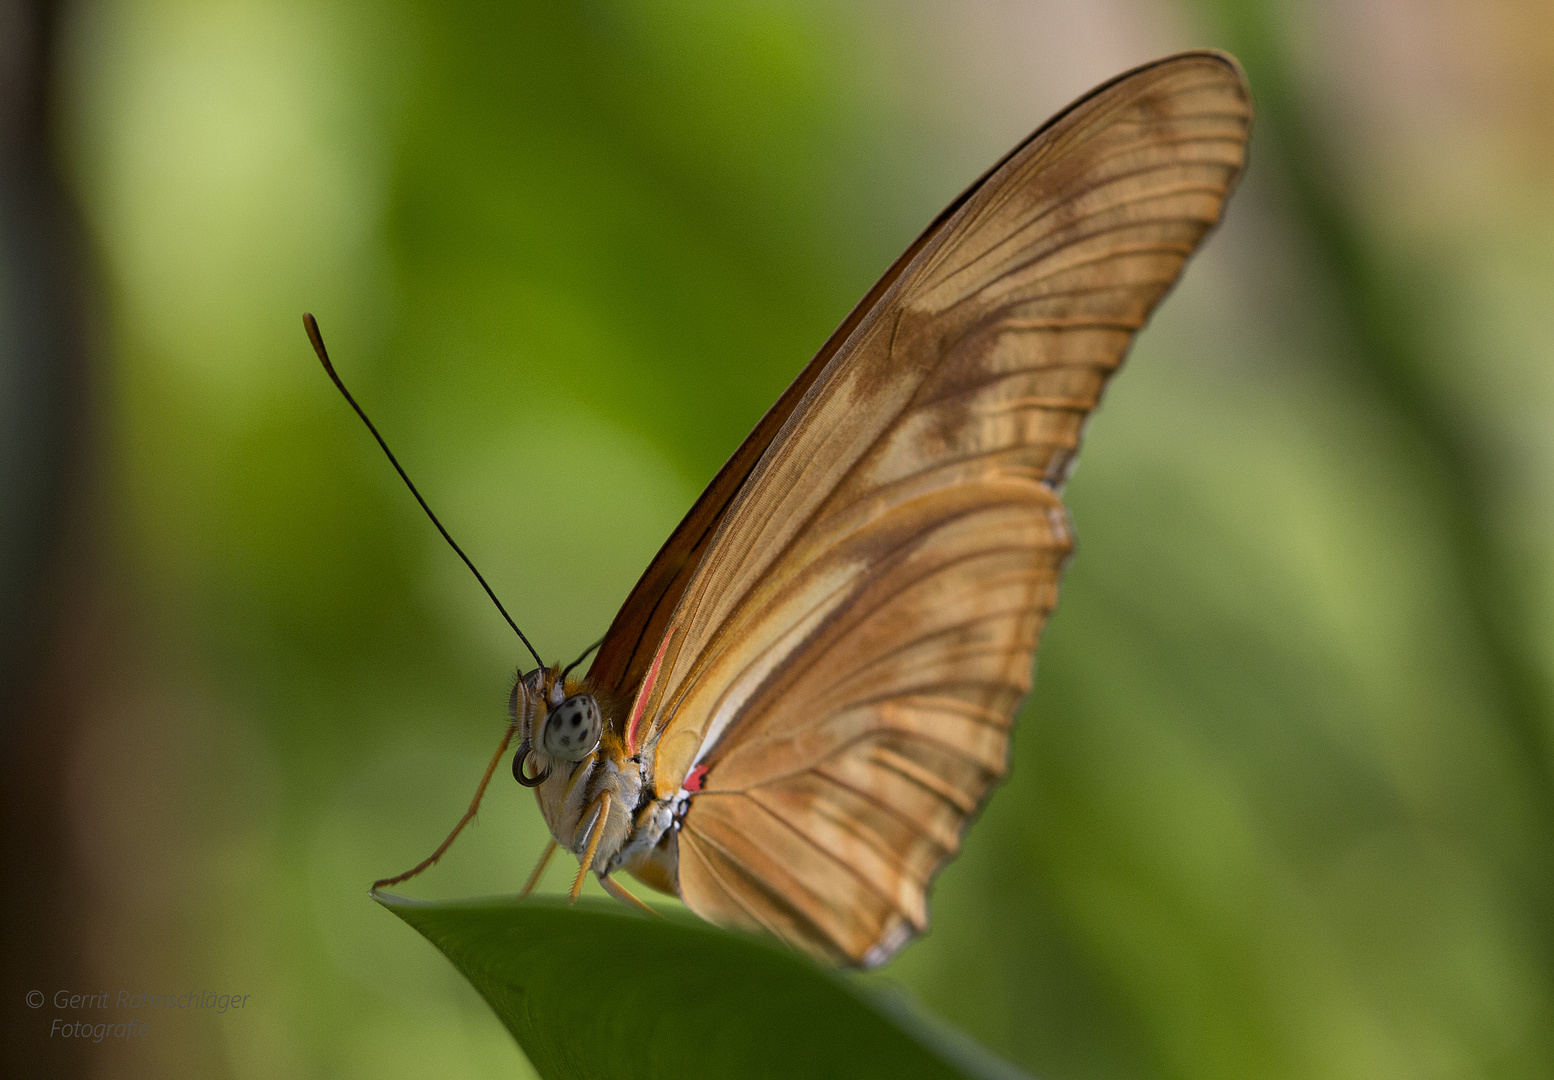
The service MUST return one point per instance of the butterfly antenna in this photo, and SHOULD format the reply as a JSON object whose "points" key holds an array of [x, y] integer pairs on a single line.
{"points": [[311, 325], [567, 670]]}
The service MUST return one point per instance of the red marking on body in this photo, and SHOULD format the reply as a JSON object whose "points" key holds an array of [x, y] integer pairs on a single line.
{"points": [[640, 705], [696, 779]]}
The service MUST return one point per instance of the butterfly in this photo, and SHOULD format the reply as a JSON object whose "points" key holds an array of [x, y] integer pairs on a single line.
{"points": [[808, 696]]}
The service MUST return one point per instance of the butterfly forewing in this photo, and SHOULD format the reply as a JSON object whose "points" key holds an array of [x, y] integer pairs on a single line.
{"points": [[851, 645]]}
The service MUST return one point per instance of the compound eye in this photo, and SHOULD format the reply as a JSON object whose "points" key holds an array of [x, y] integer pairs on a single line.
{"points": [[573, 728]]}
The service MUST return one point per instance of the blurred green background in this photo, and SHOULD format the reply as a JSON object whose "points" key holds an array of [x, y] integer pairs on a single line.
{"points": [[1281, 803]]}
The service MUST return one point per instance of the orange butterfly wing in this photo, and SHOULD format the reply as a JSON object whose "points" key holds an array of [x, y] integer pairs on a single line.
{"points": [[852, 643]]}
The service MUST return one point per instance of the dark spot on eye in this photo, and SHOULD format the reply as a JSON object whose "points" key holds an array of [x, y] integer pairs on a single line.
{"points": [[576, 720]]}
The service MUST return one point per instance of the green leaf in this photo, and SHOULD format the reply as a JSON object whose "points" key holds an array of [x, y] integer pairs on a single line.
{"points": [[597, 990]]}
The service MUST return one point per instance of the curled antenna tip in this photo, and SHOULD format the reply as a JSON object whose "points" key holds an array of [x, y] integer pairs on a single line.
{"points": [[310, 324]]}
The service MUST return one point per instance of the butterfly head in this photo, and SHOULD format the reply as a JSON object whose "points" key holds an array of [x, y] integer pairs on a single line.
{"points": [[557, 719]]}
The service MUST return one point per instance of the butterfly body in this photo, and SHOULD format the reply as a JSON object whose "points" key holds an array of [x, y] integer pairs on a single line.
{"points": [[809, 694], [614, 833]]}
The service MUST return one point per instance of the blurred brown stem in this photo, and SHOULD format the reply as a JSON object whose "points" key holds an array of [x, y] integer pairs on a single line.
{"points": [[45, 635]]}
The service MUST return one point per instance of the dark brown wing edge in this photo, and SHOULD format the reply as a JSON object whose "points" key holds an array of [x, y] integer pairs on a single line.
{"points": [[631, 642]]}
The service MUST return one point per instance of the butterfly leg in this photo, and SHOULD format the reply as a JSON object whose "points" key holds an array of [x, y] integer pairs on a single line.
{"points": [[624, 895], [539, 869], [595, 833], [469, 815]]}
